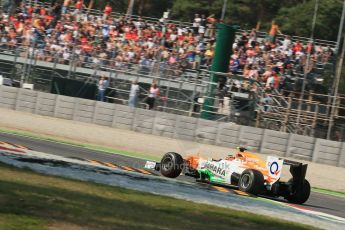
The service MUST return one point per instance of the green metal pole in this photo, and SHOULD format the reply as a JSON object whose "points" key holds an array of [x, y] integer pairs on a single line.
{"points": [[225, 39]]}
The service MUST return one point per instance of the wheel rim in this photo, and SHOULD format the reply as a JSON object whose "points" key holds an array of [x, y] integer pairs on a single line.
{"points": [[166, 163], [245, 181]]}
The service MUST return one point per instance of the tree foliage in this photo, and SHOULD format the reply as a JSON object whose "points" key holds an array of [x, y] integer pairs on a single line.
{"points": [[294, 16], [297, 20]]}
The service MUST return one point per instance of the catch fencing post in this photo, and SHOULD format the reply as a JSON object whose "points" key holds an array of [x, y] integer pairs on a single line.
{"points": [[225, 38], [288, 151], [316, 150], [341, 160]]}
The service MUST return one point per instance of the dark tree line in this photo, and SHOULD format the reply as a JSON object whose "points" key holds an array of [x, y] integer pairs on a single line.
{"points": [[293, 16]]}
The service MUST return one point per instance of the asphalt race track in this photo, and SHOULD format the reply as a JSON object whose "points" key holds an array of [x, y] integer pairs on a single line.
{"points": [[317, 201]]}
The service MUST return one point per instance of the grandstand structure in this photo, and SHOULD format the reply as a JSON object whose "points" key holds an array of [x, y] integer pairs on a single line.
{"points": [[246, 100]]}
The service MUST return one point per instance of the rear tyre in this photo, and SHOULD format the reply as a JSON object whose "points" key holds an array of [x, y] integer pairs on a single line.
{"points": [[299, 194], [171, 165], [251, 181]]}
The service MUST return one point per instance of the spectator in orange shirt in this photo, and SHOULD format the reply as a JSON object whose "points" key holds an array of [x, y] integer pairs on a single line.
{"points": [[37, 23], [273, 32]]}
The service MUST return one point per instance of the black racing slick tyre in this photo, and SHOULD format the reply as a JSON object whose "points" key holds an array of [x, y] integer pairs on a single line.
{"points": [[300, 194], [251, 181], [171, 165]]}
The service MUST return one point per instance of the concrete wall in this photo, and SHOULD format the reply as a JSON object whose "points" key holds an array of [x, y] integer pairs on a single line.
{"points": [[301, 147], [228, 135], [164, 124], [8, 97], [274, 142], [174, 126]]}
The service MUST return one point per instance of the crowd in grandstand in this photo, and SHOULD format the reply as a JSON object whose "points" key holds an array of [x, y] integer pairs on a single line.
{"points": [[64, 32]]}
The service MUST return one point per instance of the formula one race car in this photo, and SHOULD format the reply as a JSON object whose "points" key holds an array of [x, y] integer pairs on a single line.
{"points": [[245, 170]]}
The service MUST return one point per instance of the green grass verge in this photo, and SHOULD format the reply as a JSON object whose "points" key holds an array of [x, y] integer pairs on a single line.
{"points": [[138, 155], [29, 200], [329, 192]]}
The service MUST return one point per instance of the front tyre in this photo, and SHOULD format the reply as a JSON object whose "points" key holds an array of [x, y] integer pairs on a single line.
{"points": [[251, 181], [171, 165], [299, 194]]}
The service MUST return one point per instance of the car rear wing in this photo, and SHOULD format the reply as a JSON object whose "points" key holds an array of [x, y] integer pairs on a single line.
{"points": [[298, 171]]}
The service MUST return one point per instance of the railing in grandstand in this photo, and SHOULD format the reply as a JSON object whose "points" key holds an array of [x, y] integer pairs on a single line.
{"points": [[305, 126], [74, 61], [156, 69], [189, 103]]}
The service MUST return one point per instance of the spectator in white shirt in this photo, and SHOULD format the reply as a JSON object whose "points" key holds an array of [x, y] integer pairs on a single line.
{"points": [[102, 86], [133, 94]]}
